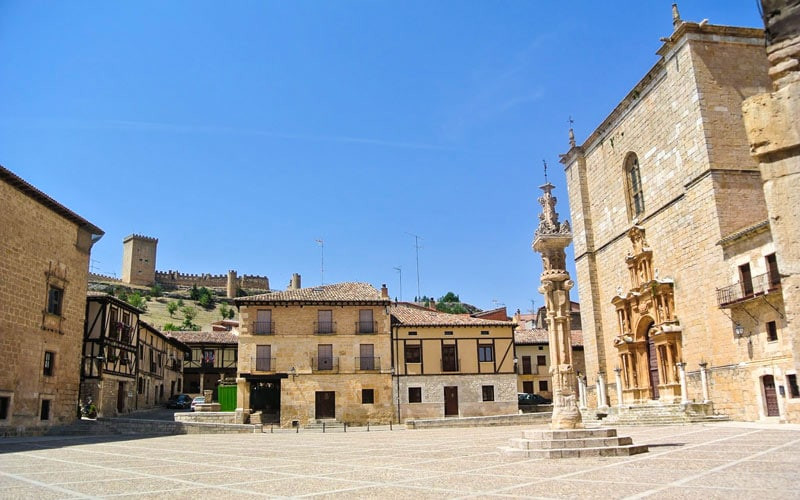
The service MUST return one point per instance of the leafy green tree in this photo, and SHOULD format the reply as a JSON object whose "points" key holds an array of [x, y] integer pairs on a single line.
{"points": [[169, 327], [206, 298], [223, 310], [180, 302], [157, 290], [136, 300], [172, 307], [189, 313], [231, 313]]}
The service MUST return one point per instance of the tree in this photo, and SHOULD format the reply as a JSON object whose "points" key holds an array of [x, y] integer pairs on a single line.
{"points": [[189, 313], [169, 327], [157, 290], [231, 313], [206, 298], [172, 307], [194, 293], [136, 300], [223, 310]]}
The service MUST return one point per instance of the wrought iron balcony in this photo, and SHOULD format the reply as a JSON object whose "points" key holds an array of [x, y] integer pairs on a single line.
{"points": [[366, 327], [741, 291], [368, 363], [533, 369], [325, 364], [263, 328], [263, 364], [324, 327]]}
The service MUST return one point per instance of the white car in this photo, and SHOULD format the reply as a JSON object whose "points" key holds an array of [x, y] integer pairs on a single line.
{"points": [[199, 400]]}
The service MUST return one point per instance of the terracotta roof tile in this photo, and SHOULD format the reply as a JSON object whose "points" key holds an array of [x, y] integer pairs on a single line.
{"points": [[203, 337], [414, 315], [339, 292], [527, 336]]}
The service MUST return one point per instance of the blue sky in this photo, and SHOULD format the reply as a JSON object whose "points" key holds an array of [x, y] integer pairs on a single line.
{"points": [[238, 133]]}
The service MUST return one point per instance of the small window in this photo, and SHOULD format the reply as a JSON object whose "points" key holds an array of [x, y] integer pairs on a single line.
{"points": [[5, 405], [634, 180], [448, 332], [794, 390], [541, 348], [485, 353], [543, 385], [48, 363], [412, 334], [488, 392], [415, 394], [527, 387], [55, 297], [367, 396], [772, 331], [541, 360], [45, 413], [413, 354], [484, 332]]}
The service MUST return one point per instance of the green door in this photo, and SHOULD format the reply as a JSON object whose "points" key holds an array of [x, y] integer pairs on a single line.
{"points": [[226, 396]]}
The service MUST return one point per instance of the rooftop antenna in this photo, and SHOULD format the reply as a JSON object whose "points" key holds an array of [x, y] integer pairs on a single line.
{"points": [[321, 261], [399, 269], [416, 246]]}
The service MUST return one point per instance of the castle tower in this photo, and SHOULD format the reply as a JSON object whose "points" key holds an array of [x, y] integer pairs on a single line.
{"points": [[139, 260], [233, 284], [550, 240]]}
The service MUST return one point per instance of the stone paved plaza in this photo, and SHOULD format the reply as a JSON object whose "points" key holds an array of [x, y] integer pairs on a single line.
{"points": [[724, 460]]}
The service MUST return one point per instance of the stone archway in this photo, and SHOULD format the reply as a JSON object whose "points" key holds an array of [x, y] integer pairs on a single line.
{"points": [[644, 334]]}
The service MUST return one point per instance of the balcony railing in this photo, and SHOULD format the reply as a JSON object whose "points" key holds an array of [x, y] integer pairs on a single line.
{"points": [[366, 326], [368, 363], [263, 364], [263, 327], [758, 285], [534, 369], [324, 327], [450, 365], [325, 364]]}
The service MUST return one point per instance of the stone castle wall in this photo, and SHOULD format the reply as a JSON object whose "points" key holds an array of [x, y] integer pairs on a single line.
{"points": [[180, 280]]}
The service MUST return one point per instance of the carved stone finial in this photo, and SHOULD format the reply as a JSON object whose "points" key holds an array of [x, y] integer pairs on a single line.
{"points": [[571, 134], [676, 16]]}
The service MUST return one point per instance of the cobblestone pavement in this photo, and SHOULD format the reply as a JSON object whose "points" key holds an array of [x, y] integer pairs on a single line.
{"points": [[723, 460]]}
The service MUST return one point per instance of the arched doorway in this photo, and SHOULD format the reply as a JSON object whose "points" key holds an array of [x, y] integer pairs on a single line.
{"points": [[652, 357], [770, 397]]}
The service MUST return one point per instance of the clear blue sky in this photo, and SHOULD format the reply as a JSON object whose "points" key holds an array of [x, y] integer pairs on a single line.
{"points": [[238, 133]]}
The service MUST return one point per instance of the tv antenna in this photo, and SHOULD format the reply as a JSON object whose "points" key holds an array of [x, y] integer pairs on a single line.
{"points": [[416, 246], [399, 269], [321, 244]]}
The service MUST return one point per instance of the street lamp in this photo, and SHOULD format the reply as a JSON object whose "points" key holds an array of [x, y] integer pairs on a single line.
{"points": [[738, 330]]}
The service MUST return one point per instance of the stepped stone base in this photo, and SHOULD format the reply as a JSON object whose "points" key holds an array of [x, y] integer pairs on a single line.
{"points": [[572, 443], [651, 413]]}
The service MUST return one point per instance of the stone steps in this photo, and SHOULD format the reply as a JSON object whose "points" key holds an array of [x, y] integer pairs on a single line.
{"points": [[572, 443], [652, 414]]}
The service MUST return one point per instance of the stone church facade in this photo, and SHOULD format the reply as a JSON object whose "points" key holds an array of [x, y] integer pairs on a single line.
{"points": [[676, 266]]}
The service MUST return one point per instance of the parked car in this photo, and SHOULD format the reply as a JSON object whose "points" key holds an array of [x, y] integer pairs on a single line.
{"points": [[199, 400], [179, 401], [528, 401]]}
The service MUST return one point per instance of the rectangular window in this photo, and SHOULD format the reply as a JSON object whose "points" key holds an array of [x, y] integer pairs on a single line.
{"points": [[541, 360], [485, 353], [772, 269], [325, 321], [448, 332], [263, 358], [367, 396], [55, 297], [543, 385], [5, 405], [366, 359], [45, 413], [263, 324], [772, 331], [449, 358], [484, 332], [415, 394], [794, 390], [746, 279], [488, 392], [412, 334], [526, 366], [325, 357], [527, 387], [365, 322], [413, 354], [49, 357]]}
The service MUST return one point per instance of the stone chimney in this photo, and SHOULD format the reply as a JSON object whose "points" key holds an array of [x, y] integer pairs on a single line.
{"points": [[294, 283], [384, 291], [432, 304]]}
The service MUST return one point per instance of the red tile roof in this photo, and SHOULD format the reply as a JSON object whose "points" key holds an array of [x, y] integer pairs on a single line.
{"points": [[541, 336], [414, 315], [340, 292], [203, 337]]}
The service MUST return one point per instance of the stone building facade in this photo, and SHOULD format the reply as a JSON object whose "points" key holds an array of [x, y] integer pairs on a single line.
{"points": [[160, 369], [139, 260], [44, 249], [533, 359], [212, 357], [451, 365], [667, 208], [315, 354]]}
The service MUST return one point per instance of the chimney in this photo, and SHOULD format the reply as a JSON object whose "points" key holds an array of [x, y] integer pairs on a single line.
{"points": [[517, 317], [432, 304], [294, 283], [384, 291]]}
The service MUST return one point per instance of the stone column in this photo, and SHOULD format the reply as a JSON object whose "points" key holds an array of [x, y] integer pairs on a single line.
{"points": [[619, 385], [704, 381], [550, 240], [773, 130], [682, 376], [581, 392], [602, 401]]}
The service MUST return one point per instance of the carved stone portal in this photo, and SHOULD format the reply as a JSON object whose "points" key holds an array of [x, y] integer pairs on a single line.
{"points": [[550, 240]]}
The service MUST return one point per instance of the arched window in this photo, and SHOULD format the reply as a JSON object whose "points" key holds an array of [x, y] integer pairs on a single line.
{"points": [[634, 181]]}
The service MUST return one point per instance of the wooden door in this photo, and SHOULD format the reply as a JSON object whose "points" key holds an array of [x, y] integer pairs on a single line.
{"points": [[526, 366], [121, 397], [263, 358], [770, 397], [325, 406], [367, 357], [746, 279], [652, 363], [325, 357], [451, 401]]}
